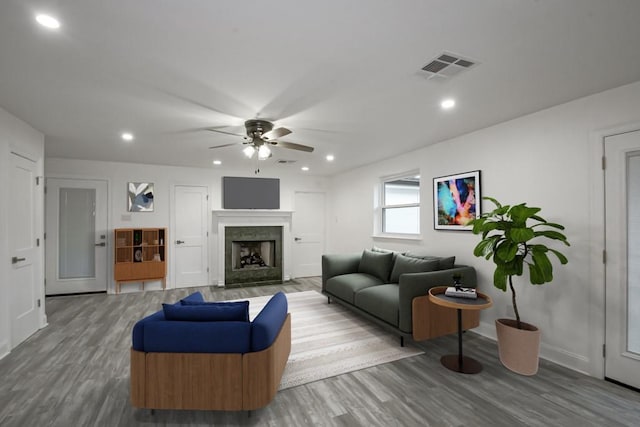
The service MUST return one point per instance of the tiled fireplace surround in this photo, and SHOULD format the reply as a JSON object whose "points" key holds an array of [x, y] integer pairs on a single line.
{"points": [[251, 226]]}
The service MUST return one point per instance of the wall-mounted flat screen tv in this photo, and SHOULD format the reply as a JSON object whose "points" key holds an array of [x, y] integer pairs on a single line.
{"points": [[250, 193]]}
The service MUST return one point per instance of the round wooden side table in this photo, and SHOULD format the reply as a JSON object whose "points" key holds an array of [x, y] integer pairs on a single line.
{"points": [[458, 362]]}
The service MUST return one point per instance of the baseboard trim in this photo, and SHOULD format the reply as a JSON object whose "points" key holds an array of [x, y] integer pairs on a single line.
{"points": [[4, 349]]}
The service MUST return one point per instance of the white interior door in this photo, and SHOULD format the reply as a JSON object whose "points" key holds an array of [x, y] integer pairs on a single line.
{"points": [[24, 287], [308, 224], [190, 237], [77, 236], [622, 288]]}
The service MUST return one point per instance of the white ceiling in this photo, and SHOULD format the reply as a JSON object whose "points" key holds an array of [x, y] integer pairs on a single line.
{"points": [[343, 75]]}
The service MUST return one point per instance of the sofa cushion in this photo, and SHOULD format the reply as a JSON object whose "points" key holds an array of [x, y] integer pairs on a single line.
{"points": [[208, 311], [405, 264], [377, 264], [197, 337], [346, 285], [380, 301], [194, 297], [445, 263], [386, 251]]}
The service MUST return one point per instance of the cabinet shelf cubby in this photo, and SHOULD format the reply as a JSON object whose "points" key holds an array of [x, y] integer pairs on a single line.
{"points": [[140, 255]]}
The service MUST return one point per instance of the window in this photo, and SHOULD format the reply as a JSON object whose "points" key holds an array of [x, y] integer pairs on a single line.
{"points": [[401, 205]]}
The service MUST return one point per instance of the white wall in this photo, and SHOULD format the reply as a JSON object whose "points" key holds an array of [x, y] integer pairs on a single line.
{"points": [[164, 178], [19, 137], [548, 159]]}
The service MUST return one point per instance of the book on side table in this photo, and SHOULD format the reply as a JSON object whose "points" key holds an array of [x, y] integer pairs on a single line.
{"points": [[461, 292]]}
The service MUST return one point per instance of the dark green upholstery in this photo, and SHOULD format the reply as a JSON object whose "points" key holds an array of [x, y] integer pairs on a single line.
{"points": [[416, 284], [405, 264], [380, 301], [338, 264], [345, 286], [377, 264], [387, 304], [445, 263]]}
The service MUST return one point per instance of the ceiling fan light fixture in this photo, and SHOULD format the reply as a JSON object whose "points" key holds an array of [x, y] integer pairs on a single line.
{"points": [[264, 152], [248, 151]]}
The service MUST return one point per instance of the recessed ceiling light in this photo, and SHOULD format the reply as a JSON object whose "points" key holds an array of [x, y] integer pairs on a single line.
{"points": [[305, 168], [127, 136], [48, 21], [448, 104], [217, 162], [330, 157]]}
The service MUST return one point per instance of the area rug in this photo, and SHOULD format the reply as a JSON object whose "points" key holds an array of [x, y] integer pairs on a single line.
{"points": [[329, 340]]}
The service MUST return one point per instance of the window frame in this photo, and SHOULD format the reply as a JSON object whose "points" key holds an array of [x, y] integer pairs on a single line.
{"points": [[380, 232]]}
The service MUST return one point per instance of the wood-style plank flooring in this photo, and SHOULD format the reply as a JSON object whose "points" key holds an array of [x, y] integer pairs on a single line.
{"points": [[75, 372]]}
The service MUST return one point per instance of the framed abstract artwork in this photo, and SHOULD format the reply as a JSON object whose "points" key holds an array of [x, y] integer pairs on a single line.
{"points": [[456, 200], [140, 196]]}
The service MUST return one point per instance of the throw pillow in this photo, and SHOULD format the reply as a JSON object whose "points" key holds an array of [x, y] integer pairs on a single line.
{"points": [[237, 311], [405, 264], [377, 264], [386, 251], [194, 297], [444, 263]]}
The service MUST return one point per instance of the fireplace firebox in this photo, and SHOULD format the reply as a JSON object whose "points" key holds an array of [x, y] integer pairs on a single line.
{"points": [[253, 255]]}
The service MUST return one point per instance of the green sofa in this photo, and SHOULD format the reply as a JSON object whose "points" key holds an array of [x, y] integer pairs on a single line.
{"points": [[391, 288]]}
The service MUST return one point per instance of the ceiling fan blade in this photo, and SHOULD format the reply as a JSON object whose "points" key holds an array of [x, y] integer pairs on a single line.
{"points": [[226, 145], [293, 146], [276, 133], [225, 132]]}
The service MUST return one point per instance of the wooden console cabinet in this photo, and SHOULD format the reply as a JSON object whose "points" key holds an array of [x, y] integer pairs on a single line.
{"points": [[140, 255]]}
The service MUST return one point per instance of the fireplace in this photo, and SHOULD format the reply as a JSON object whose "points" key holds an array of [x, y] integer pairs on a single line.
{"points": [[253, 255]]}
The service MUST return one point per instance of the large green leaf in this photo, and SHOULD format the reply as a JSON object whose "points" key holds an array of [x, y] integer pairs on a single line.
{"points": [[521, 213], [551, 234], [563, 259], [521, 235], [535, 275], [485, 246], [550, 224], [478, 225], [500, 279], [543, 264], [506, 250]]}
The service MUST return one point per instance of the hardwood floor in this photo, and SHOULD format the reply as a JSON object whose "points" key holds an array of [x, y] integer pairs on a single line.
{"points": [[75, 372]]}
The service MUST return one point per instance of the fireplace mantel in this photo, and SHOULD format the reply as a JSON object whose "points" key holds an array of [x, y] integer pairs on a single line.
{"points": [[252, 218], [251, 213]]}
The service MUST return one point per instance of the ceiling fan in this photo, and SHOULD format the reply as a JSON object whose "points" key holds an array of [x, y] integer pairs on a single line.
{"points": [[261, 135]]}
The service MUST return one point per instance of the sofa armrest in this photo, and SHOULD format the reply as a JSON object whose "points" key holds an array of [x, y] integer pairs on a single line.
{"points": [[267, 324], [338, 264], [416, 284]]}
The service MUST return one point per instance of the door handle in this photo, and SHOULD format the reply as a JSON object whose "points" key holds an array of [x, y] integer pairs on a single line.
{"points": [[297, 239], [16, 260], [179, 242], [103, 244]]}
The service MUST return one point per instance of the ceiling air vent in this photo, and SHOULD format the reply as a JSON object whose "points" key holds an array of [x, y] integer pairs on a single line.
{"points": [[447, 65]]}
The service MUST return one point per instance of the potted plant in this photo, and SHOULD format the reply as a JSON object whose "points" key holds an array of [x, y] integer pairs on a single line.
{"points": [[513, 236]]}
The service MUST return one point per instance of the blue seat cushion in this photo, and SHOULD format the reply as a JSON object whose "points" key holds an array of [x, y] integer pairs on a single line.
{"points": [[237, 311], [197, 337]]}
